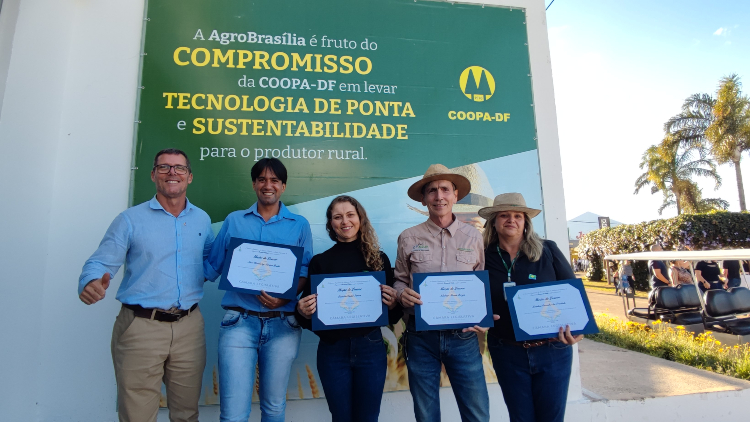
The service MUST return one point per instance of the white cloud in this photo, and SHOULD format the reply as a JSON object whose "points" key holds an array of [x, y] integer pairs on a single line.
{"points": [[723, 32]]}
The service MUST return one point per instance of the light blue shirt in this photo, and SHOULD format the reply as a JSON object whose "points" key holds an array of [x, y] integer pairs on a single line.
{"points": [[284, 228], [163, 255]]}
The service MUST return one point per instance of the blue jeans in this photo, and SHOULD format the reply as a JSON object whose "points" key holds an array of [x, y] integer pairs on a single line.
{"points": [[245, 340], [426, 352], [352, 372], [713, 285], [534, 380], [734, 282]]}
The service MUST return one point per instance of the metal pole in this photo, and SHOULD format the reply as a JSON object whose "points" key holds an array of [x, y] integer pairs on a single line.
{"points": [[606, 264], [743, 274]]}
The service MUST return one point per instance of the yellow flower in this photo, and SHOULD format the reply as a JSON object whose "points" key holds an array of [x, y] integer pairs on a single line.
{"points": [[657, 322], [680, 327], [718, 343]]}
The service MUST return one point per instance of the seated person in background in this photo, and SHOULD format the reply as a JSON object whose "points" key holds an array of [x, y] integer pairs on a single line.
{"points": [[731, 270], [658, 270], [680, 273], [707, 273]]}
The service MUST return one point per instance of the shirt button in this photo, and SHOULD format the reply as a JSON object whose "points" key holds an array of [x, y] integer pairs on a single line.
{"points": [[443, 247]]}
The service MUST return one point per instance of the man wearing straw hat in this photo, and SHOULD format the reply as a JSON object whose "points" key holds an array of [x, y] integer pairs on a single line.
{"points": [[441, 244]]}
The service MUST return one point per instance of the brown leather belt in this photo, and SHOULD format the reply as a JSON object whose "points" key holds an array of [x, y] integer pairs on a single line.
{"points": [[159, 314], [530, 344], [269, 314]]}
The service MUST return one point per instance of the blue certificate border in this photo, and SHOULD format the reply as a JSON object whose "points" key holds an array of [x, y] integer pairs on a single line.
{"points": [[487, 321], [234, 242], [318, 325], [590, 328]]}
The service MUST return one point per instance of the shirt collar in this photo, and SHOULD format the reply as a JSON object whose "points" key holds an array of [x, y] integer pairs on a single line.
{"points": [[435, 230], [283, 212], [155, 205]]}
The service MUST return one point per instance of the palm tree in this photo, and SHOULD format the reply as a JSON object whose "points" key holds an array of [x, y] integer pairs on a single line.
{"points": [[722, 125], [670, 169], [689, 127], [692, 200], [729, 132]]}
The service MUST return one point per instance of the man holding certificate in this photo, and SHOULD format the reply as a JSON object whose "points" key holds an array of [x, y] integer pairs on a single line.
{"points": [[259, 328], [440, 244]]}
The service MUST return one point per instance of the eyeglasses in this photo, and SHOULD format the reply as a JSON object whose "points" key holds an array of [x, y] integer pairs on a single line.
{"points": [[166, 168]]}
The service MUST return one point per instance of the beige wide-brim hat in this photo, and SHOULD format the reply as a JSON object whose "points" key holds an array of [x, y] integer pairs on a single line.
{"points": [[508, 202], [440, 172]]}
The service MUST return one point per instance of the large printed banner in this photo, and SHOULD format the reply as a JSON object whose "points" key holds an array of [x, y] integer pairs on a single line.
{"points": [[356, 97]]}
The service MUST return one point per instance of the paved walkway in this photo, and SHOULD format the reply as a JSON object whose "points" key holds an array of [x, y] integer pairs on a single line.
{"points": [[609, 303], [611, 373]]}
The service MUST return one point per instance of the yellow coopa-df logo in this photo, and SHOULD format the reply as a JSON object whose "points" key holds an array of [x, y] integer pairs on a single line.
{"points": [[477, 83]]}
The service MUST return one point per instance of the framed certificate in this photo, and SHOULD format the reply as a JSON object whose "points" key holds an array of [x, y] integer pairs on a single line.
{"points": [[251, 266], [539, 310], [453, 300], [348, 300]]}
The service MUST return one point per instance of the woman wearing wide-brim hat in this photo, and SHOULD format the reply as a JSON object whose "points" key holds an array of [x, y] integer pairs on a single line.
{"points": [[533, 375]]}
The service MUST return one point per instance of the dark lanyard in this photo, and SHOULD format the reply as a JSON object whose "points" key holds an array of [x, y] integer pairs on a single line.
{"points": [[512, 263]]}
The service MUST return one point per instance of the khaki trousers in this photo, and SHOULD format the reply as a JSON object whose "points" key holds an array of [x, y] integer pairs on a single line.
{"points": [[146, 352]]}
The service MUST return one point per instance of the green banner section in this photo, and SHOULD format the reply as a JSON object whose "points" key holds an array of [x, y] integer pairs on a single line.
{"points": [[349, 94]]}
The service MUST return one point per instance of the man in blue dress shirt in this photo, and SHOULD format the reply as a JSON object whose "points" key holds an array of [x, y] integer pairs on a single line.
{"points": [[158, 334], [259, 329]]}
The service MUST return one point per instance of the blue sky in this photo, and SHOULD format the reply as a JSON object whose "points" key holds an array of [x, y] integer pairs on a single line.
{"points": [[621, 69]]}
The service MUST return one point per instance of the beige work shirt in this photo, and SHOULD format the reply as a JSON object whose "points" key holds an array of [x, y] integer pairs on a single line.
{"points": [[427, 248]]}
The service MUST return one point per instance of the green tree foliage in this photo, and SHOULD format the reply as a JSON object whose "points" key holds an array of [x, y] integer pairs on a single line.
{"points": [[689, 127], [713, 230], [721, 125], [729, 132], [595, 272], [670, 168], [692, 200]]}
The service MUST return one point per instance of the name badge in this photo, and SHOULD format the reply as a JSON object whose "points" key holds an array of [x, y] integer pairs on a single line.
{"points": [[505, 286]]}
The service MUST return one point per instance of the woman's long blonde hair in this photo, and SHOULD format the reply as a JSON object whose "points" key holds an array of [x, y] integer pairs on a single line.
{"points": [[369, 240], [531, 245]]}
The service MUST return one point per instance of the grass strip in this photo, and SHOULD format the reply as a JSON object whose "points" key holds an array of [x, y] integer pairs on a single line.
{"points": [[676, 344]]}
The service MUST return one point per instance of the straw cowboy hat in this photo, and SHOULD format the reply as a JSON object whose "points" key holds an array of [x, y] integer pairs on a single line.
{"points": [[508, 202], [439, 172], [479, 196]]}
